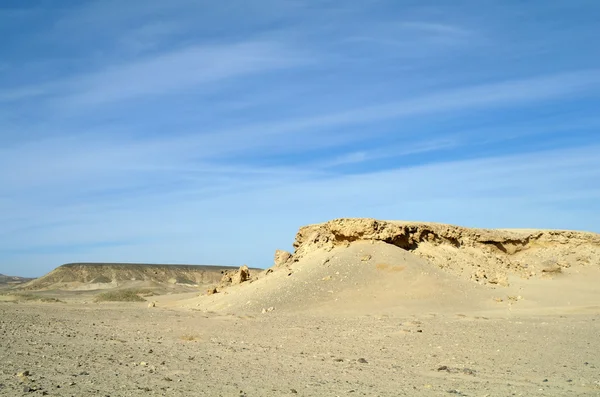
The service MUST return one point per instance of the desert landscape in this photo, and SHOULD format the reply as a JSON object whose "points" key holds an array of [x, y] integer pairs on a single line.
{"points": [[361, 307]]}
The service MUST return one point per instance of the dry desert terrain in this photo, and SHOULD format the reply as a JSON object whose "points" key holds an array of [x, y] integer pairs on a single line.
{"points": [[361, 307]]}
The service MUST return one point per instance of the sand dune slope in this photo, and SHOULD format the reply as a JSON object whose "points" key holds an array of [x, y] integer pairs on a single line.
{"points": [[361, 278]]}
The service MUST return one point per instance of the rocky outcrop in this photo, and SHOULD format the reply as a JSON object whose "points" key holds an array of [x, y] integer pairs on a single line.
{"points": [[282, 258], [231, 277], [484, 255]]}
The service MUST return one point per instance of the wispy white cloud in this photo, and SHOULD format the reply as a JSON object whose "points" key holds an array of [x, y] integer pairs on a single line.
{"points": [[364, 156], [65, 160], [436, 28], [509, 93], [181, 69]]}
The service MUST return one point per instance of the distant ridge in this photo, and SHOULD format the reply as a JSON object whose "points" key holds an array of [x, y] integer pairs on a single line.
{"points": [[109, 275], [12, 281]]}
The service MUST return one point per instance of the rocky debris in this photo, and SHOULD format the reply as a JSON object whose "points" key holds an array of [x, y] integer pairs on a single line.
{"points": [[362, 361], [366, 258], [551, 267], [499, 279], [268, 310], [451, 370], [212, 291], [235, 277], [243, 274], [456, 391], [282, 258], [152, 304]]}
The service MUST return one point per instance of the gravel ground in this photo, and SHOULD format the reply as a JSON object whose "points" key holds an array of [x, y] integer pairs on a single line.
{"points": [[130, 350]]}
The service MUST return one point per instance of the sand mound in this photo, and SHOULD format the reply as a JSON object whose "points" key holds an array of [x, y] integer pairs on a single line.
{"points": [[352, 279], [365, 265], [85, 276]]}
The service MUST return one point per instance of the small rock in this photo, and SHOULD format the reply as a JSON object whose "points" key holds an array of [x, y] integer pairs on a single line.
{"points": [[27, 389], [294, 391], [143, 364], [366, 258], [151, 304], [362, 361], [282, 258], [243, 274]]}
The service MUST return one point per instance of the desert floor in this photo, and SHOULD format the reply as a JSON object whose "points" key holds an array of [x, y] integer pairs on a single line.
{"points": [[128, 349]]}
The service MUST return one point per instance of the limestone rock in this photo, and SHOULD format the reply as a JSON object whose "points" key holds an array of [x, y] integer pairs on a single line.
{"points": [[243, 274], [282, 258]]}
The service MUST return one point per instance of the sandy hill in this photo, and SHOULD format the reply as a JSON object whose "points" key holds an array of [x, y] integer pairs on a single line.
{"points": [[366, 265], [90, 276]]}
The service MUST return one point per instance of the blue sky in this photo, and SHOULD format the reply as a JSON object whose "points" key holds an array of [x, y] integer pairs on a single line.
{"points": [[208, 132]]}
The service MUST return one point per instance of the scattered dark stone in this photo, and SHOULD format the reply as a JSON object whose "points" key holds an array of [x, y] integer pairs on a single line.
{"points": [[466, 371], [457, 392], [362, 361], [168, 379], [569, 380], [338, 360], [150, 351], [586, 363], [545, 380], [419, 330], [26, 389], [84, 373], [294, 391]]}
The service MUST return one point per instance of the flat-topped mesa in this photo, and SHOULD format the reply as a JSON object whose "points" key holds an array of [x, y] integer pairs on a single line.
{"points": [[73, 275], [490, 252]]}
